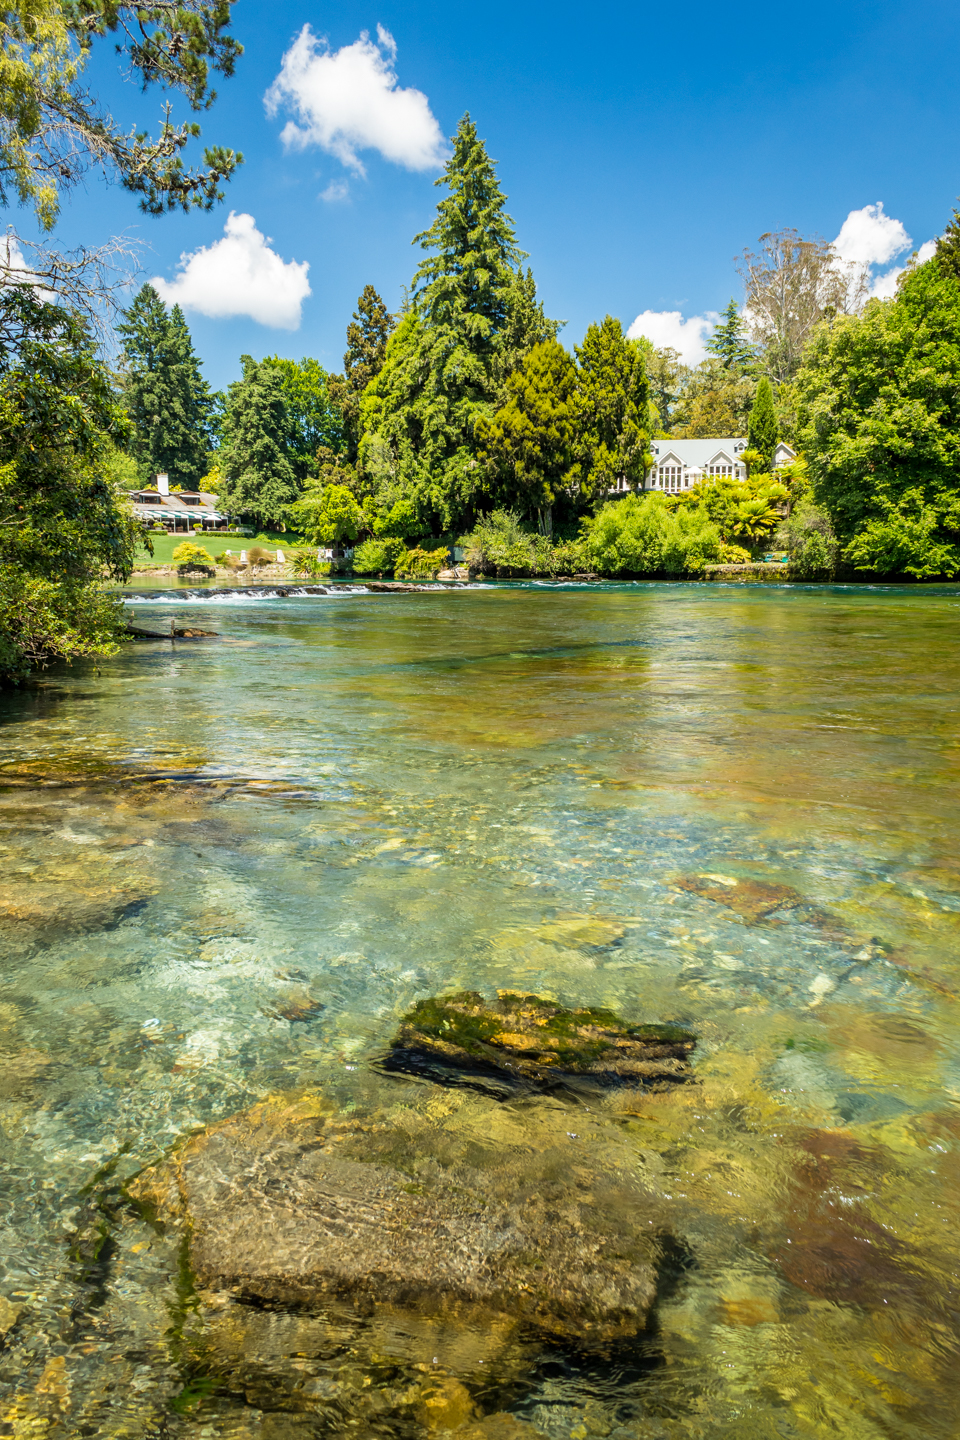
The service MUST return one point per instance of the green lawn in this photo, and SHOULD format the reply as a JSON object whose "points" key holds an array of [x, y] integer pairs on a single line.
{"points": [[215, 544]]}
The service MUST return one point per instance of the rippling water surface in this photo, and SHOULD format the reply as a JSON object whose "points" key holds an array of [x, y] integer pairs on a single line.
{"points": [[228, 867]]}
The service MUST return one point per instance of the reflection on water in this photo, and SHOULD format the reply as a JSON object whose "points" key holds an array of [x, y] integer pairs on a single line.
{"points": [[229, 867]]}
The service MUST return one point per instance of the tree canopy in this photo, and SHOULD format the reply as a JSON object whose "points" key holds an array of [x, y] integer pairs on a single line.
{"points": [[164, 392], [614, 407], [52, 131], [879, 416], [259, 478]]}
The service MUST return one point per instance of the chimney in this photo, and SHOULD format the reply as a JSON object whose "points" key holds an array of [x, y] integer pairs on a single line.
{"points": [[163, 484]]}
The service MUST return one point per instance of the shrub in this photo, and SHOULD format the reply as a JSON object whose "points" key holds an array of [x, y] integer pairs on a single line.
{"points": [[646, 536], [44, 620], [257, 557], [808, 538], [305, 564], [188, 557], [378, 557], [734, 555], [421, 564]]}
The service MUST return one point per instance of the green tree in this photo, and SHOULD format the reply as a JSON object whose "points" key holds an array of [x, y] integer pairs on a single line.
{"points": [[63, 522], [667, 377], [714, 401], [525, 325], [762, 430], [313, 416], [531, 439], [367, 336], [165, 394], [879, 418], [259, 478], [644, 535], [440, 371], [728, 340], [327, 514], [52, 130], [614, 409]]}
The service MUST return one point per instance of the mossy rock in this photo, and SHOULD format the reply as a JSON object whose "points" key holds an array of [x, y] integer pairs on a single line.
{"points": [[523, 1041]]}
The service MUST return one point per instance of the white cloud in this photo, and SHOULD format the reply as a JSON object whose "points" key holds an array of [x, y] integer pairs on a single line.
{"points": [[336, 190], [348, 100], [668, 327], [240, 275], [885, 286], [869, 237]]}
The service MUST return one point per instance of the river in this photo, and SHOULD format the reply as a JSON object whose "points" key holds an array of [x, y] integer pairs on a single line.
{"points": [[231, 865]]}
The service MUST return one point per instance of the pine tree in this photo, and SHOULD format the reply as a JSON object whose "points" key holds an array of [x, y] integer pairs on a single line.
{"points": [[367, 336], [531, 438], [762, 432], [164, 392], [614, 406], [728, 341], [440, 371], [259, 479], [525, 325]]}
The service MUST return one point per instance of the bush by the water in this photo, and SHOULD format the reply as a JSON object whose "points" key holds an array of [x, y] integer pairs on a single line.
{"points": [[304, 564], [645, 535], [809, 539], [192, 557], [419, 564], [378, 557], [500, 545]]}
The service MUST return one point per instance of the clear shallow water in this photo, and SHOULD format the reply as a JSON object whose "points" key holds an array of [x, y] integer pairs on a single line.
{"points": [[357, 801]]}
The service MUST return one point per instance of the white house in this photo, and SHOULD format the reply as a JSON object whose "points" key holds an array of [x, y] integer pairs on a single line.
{"points": [[678, 464], [177, 509]]}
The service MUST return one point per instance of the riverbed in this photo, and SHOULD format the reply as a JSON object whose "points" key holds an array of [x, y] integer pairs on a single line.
{"points": [[231, 865]]}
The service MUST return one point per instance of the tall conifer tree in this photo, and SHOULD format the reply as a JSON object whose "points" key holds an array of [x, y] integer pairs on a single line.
{"points": [[728, 341], [367, 336], [762, 433], [441, 370], [164, 392], [259, 479], [615, 411]]}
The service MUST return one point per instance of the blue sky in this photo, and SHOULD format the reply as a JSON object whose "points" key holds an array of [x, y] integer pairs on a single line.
{"points": [[642, 147]]}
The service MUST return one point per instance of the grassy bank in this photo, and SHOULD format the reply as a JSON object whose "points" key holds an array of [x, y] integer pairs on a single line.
{"points": [[214, 544]]}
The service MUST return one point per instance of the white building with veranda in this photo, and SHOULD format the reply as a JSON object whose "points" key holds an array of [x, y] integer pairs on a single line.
{"points": [[678, 464]]}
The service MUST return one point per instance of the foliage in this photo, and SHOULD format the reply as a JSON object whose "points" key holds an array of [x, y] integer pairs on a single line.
{"points": [[52, 130], [740, 509], [667, 377], [313, 415], [808, 537], [879, 412], [258, 558], [441, 367], [791, 285], [729, 343], [734, 555], [63, 523], [531, 438], [643, 535], [259, 479], [524, 326], [327, 514], [762, 432], [713, 400], [164, 393], [419, 564], [500, 545], [210, 484], [189, 556], [367, 336], [44, 620], [614, 409], [377, 556], [305, 564]]}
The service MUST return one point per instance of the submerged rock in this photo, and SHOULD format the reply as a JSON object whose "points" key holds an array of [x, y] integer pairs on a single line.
{"points": [[295, 1204], [524, 1041], [753, 900]]}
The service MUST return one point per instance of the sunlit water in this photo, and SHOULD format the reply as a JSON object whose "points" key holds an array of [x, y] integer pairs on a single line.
{"points": [[355, 801]]}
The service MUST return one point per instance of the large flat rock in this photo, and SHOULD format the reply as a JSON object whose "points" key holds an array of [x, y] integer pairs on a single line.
{"points": [[297, 1204]]}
